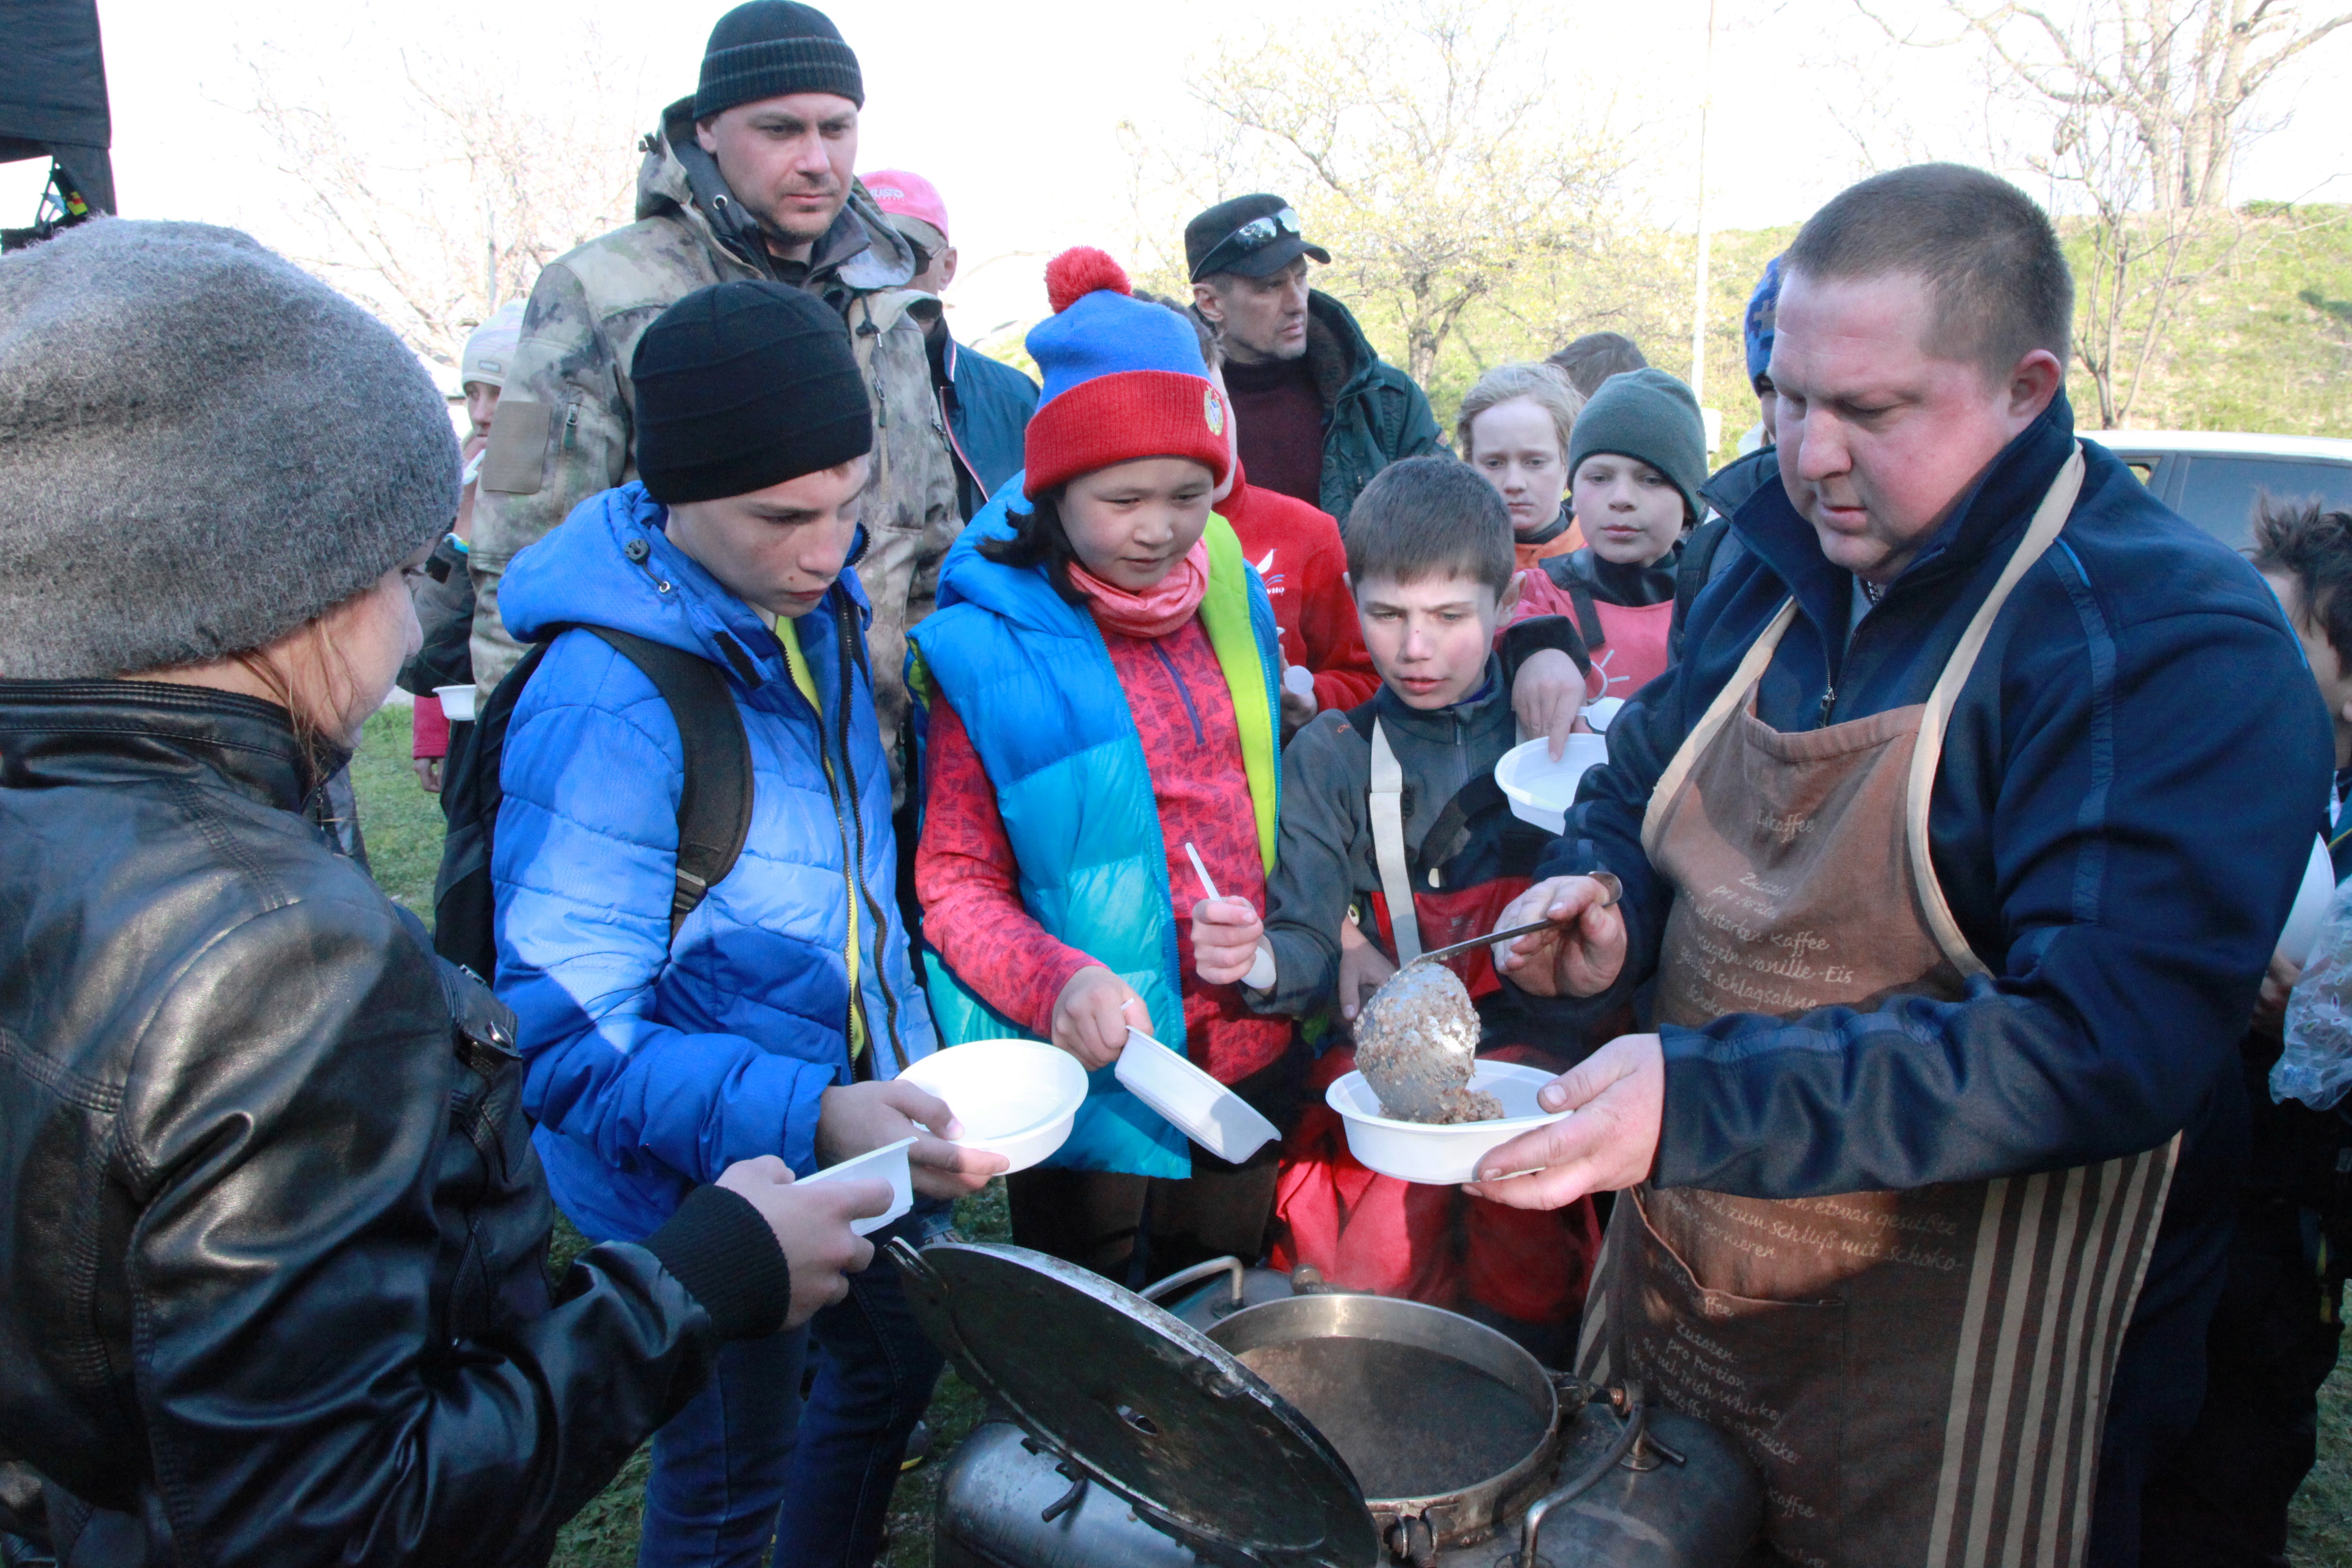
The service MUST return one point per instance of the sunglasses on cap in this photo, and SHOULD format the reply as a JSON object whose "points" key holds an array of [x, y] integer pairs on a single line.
{"points": [[1253, 235]]}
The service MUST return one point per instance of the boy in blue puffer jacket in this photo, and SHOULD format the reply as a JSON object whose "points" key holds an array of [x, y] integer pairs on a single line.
{"points": [[776, 1019]]}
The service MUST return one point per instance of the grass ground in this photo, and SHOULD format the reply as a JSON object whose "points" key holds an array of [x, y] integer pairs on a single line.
{"points": [[402, 824]]}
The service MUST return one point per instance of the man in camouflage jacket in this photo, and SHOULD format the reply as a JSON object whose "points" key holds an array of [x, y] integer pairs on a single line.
{"points": [[714, 202]]}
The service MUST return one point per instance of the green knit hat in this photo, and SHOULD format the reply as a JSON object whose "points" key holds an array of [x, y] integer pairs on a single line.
{"points": [[1649, 415]]}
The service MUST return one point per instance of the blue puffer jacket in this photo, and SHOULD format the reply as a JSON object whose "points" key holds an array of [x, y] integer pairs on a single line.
{"points": [[653, 1067], [2121, 817], [1029, 676]]}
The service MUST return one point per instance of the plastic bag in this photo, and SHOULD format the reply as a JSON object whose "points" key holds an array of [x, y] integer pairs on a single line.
{"points": [[2316, 1067]]}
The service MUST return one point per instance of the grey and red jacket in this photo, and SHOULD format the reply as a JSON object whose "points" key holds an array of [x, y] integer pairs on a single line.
{"points": [[1467, 855], [2124, 807]]}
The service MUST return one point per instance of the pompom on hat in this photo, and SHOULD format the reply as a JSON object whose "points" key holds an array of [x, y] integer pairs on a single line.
{"points": [[1124, 379]]}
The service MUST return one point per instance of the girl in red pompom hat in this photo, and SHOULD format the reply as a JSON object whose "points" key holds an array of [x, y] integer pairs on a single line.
{"points": [[1098, 688]]}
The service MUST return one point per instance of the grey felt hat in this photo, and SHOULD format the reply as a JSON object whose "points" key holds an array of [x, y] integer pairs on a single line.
{"points": [[200, 448]]}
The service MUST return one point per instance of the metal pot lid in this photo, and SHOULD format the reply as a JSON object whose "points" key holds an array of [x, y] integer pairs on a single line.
{"points": [[1131, 1397]]}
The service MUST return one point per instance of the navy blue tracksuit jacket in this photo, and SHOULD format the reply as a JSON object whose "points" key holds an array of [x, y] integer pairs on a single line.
{"points": [[2120, 821]]}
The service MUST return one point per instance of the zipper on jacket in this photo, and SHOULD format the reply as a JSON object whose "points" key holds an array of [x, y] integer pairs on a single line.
{"points": [[1183, 692], [863, 1025], [1829, 703], [847, 653]]}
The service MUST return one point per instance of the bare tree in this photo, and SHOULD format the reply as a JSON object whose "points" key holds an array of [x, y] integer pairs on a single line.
{"points": [[2178, 76], [1425, 141], [2140, 260], [2142, 107], [443, 201]]}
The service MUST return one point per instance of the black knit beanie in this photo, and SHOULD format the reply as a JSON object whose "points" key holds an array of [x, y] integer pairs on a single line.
{"points": [[768, 48], [1649, 415], [743, 385]]}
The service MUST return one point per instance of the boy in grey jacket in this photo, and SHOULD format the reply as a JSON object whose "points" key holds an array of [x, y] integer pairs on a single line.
{"points": [[1429, 557], [1391, 805]]}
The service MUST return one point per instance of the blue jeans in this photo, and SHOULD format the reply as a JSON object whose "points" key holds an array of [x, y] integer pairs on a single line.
{"points": [[744, 1462]]}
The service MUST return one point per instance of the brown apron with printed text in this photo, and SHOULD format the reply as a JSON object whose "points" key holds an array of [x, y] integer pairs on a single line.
{"points": [[1921, 1377]]}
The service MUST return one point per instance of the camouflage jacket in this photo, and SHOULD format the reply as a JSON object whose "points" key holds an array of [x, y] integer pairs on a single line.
{"points": [[565, 427]]}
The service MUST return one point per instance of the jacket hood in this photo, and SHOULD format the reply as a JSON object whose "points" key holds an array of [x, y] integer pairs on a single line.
{"points": [[610, 564], [966, 577], [861, 249], [1338, 352]]}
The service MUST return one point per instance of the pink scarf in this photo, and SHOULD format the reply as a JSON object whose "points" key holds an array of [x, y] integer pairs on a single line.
{"points": [[1157, 610]]}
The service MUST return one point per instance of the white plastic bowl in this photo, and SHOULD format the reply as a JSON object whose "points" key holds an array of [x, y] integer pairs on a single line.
{"points": [[886, 1164], [1440, 1156], [1014, 1098], [1205, 1110], [1540, 790], [456, 702]]}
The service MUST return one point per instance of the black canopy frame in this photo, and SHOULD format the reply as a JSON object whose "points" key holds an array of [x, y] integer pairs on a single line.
{"points": [[53, 105]]}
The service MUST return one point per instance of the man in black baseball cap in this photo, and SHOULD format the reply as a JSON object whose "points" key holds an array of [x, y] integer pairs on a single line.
{"points": [[1317, 412]]}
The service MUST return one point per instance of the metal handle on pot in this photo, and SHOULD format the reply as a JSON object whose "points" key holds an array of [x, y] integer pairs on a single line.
{"points": [[1637, 1421], [1194, 1275]]}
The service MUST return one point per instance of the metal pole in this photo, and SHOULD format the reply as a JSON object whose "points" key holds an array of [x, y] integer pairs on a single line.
{"points": [[1698, 293]]}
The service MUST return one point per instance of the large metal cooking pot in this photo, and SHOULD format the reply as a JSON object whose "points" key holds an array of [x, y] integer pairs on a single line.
{"points": [[1446, 1425], [1130, 1438]]}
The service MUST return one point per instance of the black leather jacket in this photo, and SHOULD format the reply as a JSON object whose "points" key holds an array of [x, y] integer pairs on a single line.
{"points": [[271, 1278]]}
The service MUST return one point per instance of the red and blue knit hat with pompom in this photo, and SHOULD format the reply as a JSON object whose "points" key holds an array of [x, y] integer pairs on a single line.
{"points": [[1124, 379]]}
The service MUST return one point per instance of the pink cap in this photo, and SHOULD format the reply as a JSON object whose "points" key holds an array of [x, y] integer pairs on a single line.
{"points": [[903, 193]]}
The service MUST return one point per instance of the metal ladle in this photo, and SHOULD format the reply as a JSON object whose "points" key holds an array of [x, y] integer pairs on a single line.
{"points": [[1422, 1073]]}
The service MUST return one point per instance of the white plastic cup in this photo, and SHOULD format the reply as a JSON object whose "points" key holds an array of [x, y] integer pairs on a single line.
{"points": [[1299, 680], [457, 703], [1191, 1101], [886, 1164]]}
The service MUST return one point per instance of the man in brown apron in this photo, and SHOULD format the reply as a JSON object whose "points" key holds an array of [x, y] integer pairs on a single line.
{"points": [[1928, 886]]}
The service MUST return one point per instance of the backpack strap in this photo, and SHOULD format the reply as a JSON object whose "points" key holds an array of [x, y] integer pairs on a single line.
{"points": [[1388, 846], [464, 910], [714, 801], [1561, 570]]}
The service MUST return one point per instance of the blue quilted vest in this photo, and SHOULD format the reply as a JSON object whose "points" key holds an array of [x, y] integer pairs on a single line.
{"points": [[1029, 676]]}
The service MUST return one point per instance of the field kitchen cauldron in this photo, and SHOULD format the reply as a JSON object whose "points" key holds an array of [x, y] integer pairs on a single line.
{"points": [[1247, 1425]]}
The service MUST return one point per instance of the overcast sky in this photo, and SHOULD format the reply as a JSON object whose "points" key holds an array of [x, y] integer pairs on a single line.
{"points": [[1012, 108]]}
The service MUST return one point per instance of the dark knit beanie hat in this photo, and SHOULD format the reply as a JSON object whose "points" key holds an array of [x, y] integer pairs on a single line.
{"points": [[202, 447], [1650, 416], [742, 385], [767, 49]]}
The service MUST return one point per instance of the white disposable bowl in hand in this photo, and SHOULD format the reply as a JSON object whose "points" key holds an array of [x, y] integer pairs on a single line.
{"points": [[887, 1163], [1014, 1098], [2311, 901], [1540, 790], [1200, 1107], [1440, 1156], [456, 702]]}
